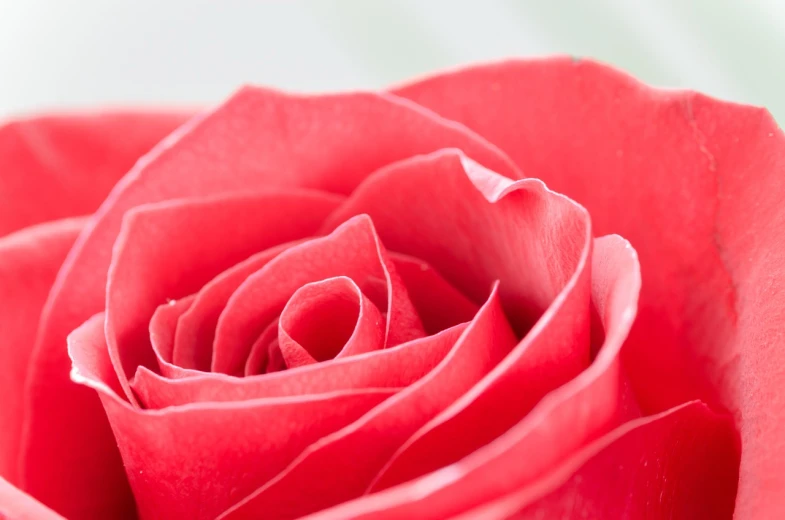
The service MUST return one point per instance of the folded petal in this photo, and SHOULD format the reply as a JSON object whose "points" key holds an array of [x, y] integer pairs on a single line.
{"points": [[472, 224], [60, 166], [328, 319], [170, 249], [29, 261], [353, 250], [696, 185], [682, 463], [194, 461], [163, 327], [266, 356], [191, 323], [193, 340], [565, 421], [439, 305], [396, 367], [17, 505], [257, 140], [361, 448]]}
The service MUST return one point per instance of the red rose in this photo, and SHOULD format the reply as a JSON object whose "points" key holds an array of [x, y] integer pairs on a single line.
{"points": [[367, 305]]}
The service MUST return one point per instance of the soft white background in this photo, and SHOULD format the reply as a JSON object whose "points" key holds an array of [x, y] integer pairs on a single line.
{"points": [[69, 54]]}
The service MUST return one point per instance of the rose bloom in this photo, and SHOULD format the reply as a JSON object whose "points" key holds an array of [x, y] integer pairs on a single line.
{"points": [[528, 289]]}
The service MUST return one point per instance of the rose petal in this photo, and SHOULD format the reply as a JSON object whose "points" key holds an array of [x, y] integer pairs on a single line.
{"points": [[395, 367], [163, 327], [170, 249], [439, 305], [194, 461], [257, 140], [682, 463], [389, 369], [361, 448], [59, 166], [696, 185], [18, 505], [193, 341], [352, 250], [326, 320], [275, 362], [568, 419], [472, 224], [29, 261], [265, 355]]}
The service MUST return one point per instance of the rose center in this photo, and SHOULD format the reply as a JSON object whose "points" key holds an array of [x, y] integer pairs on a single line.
{"points": [[318, 320]]}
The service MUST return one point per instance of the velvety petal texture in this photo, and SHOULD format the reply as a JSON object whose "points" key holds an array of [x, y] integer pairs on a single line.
{"points": [[353, 250], [568, 419], [412, 304], [697, 186], [29, 261], [157, 261], [194, 331], [397, 367], [259, 139], [17, 505], [159, 254], [60, 166], [372, 439], [326, 320], [185, 462], [678, 464]]}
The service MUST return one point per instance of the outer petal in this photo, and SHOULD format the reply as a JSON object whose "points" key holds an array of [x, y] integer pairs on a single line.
{"points": [[475, 226], [60, 166], [679, 464], [566, 420], [697, 186], [17, 505], [258, 139], [29, 261], [194, 461], [472, 224]]}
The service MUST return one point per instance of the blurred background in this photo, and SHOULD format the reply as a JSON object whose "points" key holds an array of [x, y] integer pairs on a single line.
{"points": [[56, 54]]}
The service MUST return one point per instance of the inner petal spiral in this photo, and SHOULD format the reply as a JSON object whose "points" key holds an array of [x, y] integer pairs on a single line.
{"points": [[328, 319], [353, 250]]}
